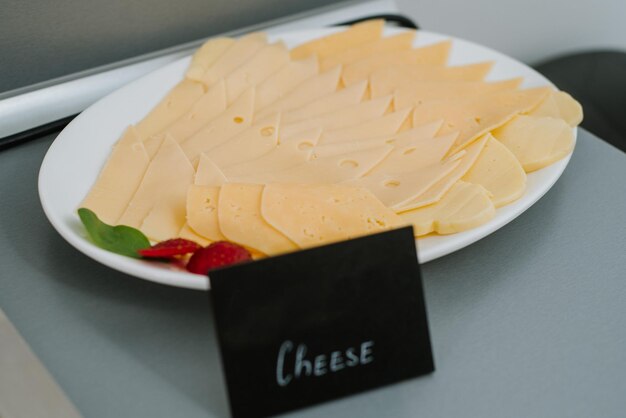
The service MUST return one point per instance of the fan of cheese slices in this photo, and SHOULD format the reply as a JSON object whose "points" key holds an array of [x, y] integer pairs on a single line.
{"points": [[350, 134]]}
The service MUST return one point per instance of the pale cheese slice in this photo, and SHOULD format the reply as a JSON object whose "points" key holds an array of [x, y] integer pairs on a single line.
{"points": [[119, 178], [331, 103], [163, 189], [560, 105], [386, 125], [237, 54], [206, 56], [427, 130], [186, 232], [312, 215], [464, 206], [309, 91], [466, 158], [536, 141], [262, 65], [235, 119], [284, 81], [401, 41], [499, 172], [175, 104], [434, 54], [239, 215], [202, 202], [387, 79], [347, 147], [208, 173], [353, 36]]}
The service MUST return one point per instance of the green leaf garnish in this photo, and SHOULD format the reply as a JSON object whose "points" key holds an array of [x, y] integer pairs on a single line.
{"points": [[120, 239]]}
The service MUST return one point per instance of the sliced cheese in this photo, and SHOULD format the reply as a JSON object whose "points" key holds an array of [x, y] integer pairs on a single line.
{"points": [[206, 56], [239, 214], [187, 233], [385, 125], [434, 54], [464, 207], [560, 105], [312, 215], [354, 35], [427, 130], [536, 141], [284, 81], [174, 105], [201, 207], [208, 173], [119, 178]]}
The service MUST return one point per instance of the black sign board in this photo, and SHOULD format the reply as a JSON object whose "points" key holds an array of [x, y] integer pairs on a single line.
{"points": [[319, 324]]}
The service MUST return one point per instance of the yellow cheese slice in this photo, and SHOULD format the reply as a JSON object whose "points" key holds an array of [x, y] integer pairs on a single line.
{"points": [[395, 189], [239, 214], [434, 54], [427, 130], [349, 116], [252, 143], [499, 172], [258, 68], [312, 215], [467, 158], [309, 91], [235, 119], [284, 81], [208, 173], [560, 105], [385, 125], [464, 207], [118, 179], [476, 116], [421, 91], [201, 207], [536, 141], [237, 54], [329, 103], [386, 80], [163, 188], [187, 233], [206, 56], [401, 41], [175, 104], [354, 35]]}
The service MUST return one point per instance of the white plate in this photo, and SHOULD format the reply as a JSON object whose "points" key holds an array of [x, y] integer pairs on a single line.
{"points": [[76, 156]]}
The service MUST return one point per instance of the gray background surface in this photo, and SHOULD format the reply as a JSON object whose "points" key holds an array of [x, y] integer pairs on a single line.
{"points": [[528, 322]]}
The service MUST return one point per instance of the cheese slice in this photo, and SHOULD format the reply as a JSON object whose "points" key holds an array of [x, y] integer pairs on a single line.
{"points": [[329, 103], [349, 116], [427, 130], [354, 35], [464, 207], [206, 56], [399, 42], [239, 214], [237, 54], [560, 105], [175, 104], [385, 125], [252, 143], [118, 179], [499, 172], [466, 159], [201, 208], [258, 68], [309, 91], [208, 173], [312, 215], [434, 54], [186, 232], [163, 189], [536, 141], [284, 81], [416, 93], [476, 116], [235, 119], [387, 79], [395, 189]]}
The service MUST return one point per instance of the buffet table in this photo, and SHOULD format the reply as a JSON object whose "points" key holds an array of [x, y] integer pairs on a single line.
{"points": [[529, 321]]}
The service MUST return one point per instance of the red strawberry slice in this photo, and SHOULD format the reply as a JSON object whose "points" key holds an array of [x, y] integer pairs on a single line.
{"points": [[217, 254], [169, 248]]}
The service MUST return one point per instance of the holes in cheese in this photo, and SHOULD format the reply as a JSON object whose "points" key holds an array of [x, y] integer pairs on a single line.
{"points": [[536, 141], [206, 56], [332, 44], [313, 215], [399, 42], [560, 105], [237, 54], [284, 81], [119, 178], [208, 173], [386, 125], [463, 207], [202, 204], [239, 215]]}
